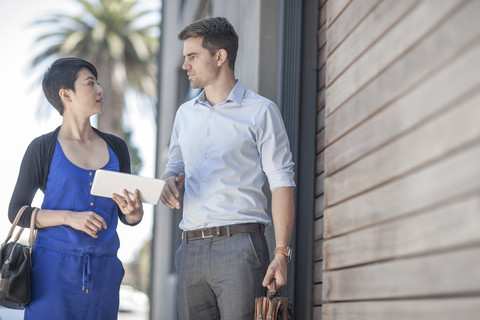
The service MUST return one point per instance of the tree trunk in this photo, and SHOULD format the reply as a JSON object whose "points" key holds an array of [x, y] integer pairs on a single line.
{"points": [[110, 120]]}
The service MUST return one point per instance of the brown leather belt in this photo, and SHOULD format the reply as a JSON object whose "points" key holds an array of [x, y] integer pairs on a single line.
{"points": [[223, 231]]}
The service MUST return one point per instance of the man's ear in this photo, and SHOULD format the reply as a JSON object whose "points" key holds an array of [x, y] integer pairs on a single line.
{"points": [[221, 57]]}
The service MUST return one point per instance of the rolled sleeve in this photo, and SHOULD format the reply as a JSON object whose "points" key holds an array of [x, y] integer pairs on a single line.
{"points": [[175, 163], [274, 148]]}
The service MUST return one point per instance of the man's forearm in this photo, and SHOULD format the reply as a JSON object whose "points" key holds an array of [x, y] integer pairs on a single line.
{"points": [[283, 213]]}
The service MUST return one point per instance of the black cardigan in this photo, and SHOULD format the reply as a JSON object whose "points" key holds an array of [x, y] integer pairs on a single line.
{"points": [[35, 166]]}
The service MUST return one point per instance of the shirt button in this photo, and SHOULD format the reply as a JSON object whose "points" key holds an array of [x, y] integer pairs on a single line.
{"points": [[204, 179], [206, 156], [89, 173], [91, 204]]}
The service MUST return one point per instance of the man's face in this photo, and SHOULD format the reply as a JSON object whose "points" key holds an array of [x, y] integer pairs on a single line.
{"points": [[200, 65]]}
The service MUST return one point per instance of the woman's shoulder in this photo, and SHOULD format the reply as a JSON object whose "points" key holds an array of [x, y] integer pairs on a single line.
{"points": [[44, 140]]}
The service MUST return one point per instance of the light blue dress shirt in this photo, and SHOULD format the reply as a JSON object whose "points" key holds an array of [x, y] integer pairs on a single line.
{"points": [[227, 152]]}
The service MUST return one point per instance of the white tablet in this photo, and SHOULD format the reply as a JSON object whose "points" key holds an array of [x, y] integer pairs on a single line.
{"points": [[107, 182]]}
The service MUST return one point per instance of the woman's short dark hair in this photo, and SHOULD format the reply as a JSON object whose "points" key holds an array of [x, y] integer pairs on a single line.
{"points": [[62, 75], [217, 34]]}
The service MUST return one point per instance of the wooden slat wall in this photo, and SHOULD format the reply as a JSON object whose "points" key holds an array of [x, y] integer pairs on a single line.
{"points": [[397, 212], [320, 163]]}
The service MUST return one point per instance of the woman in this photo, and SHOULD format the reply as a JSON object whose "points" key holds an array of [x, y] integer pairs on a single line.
{"points": [[75, 273]]}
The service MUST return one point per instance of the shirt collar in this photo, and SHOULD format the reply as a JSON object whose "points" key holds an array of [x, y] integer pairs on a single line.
{"points": [[236, 95]]}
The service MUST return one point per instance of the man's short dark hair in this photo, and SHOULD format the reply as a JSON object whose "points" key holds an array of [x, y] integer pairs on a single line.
{"points": [[217, 33], [62, 75]]}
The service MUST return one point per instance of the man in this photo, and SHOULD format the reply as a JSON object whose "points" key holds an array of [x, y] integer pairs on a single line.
{"points": [[225, 144]]}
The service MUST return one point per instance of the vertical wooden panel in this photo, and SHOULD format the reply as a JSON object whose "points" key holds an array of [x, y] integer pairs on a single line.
{"points": [[401, 141]]}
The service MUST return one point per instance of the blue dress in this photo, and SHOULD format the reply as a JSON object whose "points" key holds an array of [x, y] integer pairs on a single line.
{"points": [[75, 276]]}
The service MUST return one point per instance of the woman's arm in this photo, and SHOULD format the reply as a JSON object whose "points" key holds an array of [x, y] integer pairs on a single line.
{"points": [[86, 221], [29, 180]]}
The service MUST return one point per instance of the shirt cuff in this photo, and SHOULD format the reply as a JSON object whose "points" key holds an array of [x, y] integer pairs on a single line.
{"points": [[281, 179]]}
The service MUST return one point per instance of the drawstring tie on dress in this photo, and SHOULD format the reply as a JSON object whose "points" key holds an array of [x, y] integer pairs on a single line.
{"points": [[86, 272]]}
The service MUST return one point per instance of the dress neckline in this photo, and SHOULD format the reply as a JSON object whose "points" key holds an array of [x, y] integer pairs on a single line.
{"points": [[81, 168]]}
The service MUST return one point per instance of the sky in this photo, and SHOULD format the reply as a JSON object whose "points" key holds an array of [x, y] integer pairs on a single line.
{"points": [[21, 95]]}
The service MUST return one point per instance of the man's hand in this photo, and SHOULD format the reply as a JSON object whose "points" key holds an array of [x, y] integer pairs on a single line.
{"points": [[276, 276], [173, 191]]}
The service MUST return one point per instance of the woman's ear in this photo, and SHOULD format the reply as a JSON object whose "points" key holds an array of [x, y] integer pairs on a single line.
{"points": [[64, 95]]}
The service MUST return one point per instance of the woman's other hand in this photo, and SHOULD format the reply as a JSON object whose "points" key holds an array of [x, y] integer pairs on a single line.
{"points": [[131, 208]]}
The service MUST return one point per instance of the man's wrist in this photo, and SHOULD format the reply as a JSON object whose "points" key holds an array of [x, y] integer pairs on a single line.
{"points": [[286, 251]]}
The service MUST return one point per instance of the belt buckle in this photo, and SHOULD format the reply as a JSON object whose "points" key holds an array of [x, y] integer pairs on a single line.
{"points": [[208, 235]]}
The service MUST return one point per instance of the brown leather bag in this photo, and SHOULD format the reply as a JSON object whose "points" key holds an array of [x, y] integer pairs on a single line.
{"points": [[273, 307]]}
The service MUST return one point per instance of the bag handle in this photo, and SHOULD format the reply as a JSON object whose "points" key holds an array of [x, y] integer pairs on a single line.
{"points": [[33, 233], [33, 229], [274, 293]]}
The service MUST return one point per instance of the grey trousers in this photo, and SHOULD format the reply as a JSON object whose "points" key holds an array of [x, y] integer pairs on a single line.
{"points": [[219, 277]]}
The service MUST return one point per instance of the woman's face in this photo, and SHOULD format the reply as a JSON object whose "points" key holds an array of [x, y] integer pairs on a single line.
{"points": [[87, 97]]}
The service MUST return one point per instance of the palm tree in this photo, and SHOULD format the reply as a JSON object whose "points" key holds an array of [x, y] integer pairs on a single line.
{"points": [[106, 34]]}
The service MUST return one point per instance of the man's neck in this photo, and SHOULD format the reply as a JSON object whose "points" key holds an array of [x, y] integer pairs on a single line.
{"points": [[220, 90]]}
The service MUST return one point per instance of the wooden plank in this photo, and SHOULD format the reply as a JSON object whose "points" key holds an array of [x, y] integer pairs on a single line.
{"points": [[321, 99], [377, 23], [457, 127], [320, 120], [425, 100], [321, 58], [320, 141], [445, 228], [319, 206], [321, 38], [350, 18], [450, 273], [319, 185], [318, 229], [334, 9], [322, 15], [317, 294], [459, 31], [421, 21], [317, 313], [317, 272], [444, 180], [317, 250], [321, 77], [320, 163], [467, 308]]}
